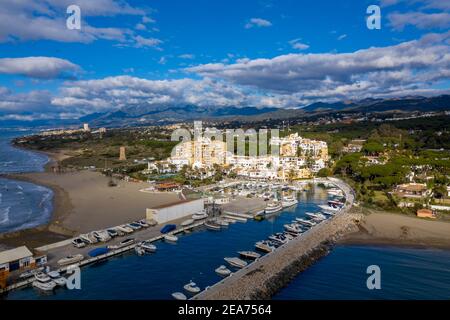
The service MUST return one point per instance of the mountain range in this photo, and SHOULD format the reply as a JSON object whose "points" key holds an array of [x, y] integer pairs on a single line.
{"points": [[162, 114]]}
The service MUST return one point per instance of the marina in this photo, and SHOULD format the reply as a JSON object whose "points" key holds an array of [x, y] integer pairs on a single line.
{"points": [[241, 236]]}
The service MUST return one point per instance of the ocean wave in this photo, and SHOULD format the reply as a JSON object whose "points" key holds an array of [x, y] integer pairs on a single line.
{"points": [[4, 215]]}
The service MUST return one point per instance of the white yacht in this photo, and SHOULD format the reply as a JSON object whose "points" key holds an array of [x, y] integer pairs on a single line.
{"points": [[223, 271], [70, 259], [236, 262], [273, 206], [192, 287], [305, 222], [293, 228], [88, 238], [102, 235], [211, 225], [289, 201], [43, 282]]}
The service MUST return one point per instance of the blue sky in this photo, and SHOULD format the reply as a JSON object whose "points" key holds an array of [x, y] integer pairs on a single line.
{"points": [[284, 53]]}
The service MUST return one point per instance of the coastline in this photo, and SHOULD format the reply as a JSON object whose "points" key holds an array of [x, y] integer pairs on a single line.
{"points": [[382, 228]]}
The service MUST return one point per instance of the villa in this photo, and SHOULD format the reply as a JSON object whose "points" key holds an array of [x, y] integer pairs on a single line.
{"points": [[412, 190]]}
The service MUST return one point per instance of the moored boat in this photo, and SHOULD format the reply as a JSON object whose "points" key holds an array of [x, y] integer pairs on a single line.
{"points": [[170, 238], [223, 271], [70, 259], [179, 296], [200, 215], [147, 246], [264, 246], [236, 262], [289, 201], [272, 207], [187, 222], [192, 287], [249, 254], [43, 282], [212, 226]]}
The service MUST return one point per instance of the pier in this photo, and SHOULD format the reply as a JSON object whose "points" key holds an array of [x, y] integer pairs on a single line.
{"points": [[264, 277]]}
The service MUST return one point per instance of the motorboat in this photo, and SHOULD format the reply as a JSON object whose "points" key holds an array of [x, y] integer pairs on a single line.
{"points": [[272, 207], [125, 229], [152, 222], [147, 246], [335, 204], [316, 216], [305, 222], [279, 238], [78, 243], [288, 201], [43, 282], [88, 238], [102, 235], [179, 296], [229, 220], [325, 207], [70, 259], [236, 262], [335, 192], [293, 228], [200, 215], [139, 250], [210, 225], [135, 226], [192, 287], [112, 233], [122, 244], [264, 246], [249, 255], [170, 238], [142, 223], [187, 222], [223, 271], [57, 278]]}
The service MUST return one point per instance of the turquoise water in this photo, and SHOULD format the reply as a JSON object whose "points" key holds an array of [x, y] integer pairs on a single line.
{"points": [[22, 204], [405, 274]]}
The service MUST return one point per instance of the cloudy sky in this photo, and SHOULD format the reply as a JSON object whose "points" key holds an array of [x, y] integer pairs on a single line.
{"points": [[283, 53]]}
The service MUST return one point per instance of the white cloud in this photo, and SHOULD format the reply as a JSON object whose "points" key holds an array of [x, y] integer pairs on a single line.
{"points": [[372, 71], [147, 42], [342, 37], [186, 56], [296, 44], [258, 22], [39, 67], [420, 20]]}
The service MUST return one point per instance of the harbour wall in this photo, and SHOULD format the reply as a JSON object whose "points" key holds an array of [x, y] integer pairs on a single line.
{"points": [[266, 276]]}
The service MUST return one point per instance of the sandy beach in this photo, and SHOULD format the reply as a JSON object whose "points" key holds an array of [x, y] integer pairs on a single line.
{"points": [[385, 228]]}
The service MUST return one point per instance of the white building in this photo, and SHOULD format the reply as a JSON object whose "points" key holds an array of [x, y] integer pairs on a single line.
{"points": [[174, 211]]}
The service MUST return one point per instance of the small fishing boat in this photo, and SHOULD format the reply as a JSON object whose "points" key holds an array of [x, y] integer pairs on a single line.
{"points": [[125, 229], [170, 238], [187, 222], [143, 223], [223, 271], [70, 259], [325, 207], [134, 226], [279, 238], [236, 262], [264, 246], [199, 216], [179, 296], [191, 287], [305, 222], [229, 220], [148, 246], [249, 255], [212, 226]]}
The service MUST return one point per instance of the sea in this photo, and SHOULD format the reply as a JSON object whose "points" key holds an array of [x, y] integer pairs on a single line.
{"points": [[22, 204], [405, 273]]}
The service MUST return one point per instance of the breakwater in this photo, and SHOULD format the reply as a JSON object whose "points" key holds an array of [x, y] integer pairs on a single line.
{"points": [[266, 276]]}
